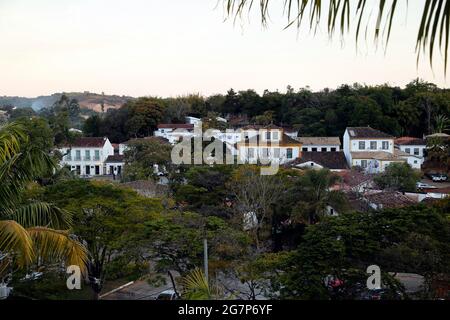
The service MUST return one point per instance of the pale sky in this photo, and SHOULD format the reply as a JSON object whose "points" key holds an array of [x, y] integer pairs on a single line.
{"points": [[174, 47]]}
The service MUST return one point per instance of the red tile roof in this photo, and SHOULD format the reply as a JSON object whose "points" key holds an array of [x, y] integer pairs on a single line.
{"points": [[175, 126], [88, 142], [410, 141], [367, 132]]}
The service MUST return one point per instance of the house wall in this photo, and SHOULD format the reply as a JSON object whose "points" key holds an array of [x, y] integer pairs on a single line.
{"points": [[410, 150], [354, 145], [73, 162], [318, 148], [258, 151]]}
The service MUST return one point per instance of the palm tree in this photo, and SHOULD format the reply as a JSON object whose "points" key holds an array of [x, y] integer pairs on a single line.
{"points": [[433, 30], [196, 287], [30, 230], [314, 195]]}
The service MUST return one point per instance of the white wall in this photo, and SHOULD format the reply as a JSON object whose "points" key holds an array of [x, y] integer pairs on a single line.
{"points": [[258, 151], [309, 148], [354, 145], [411, 150]]}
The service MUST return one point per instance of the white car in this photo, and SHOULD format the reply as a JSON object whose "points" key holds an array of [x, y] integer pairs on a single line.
{"points": [[167, 295], [421, 185]]}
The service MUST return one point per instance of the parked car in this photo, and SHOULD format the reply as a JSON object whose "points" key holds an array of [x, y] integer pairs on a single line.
{"points": [[438, 177], [167, 295], [421, 185]]}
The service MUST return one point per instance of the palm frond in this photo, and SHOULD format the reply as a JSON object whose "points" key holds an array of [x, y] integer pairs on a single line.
{"points": [[38, 213], [433, 30], [56, 245], [15, 239], [196, 287], [11, 135]]}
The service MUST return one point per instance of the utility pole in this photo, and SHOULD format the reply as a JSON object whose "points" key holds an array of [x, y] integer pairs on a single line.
{"points": [[205, 258]]}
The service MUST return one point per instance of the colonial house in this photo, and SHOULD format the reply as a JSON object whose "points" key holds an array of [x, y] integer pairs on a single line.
{"points": [[87, 156], [371, 149], [320, 144], [175, 132], [414, 147], [334, 161], [267, 144]]}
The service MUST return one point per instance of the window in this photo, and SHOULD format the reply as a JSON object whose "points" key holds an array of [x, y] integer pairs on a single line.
{"points": [[276, 152], [373, 145], [268, 135], [289, 153], [312, 164], [97, 170], [275, 136], [78, 170], [97, 155], [87, 155], [251, 153], [362, 145], [314, 149], [78, 155], [324, 149], [416, 151], [408, 150], [69, 156], [364, 163], [88, 170], [385, 145], [333, 149], [305, 149]]}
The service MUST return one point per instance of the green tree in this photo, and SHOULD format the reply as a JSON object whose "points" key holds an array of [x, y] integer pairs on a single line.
{"points": [[110, 220], [398, 177], [31, 231], [142, 155]]}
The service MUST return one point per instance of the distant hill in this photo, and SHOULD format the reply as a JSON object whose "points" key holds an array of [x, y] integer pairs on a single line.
{"points": [[87, 100]]}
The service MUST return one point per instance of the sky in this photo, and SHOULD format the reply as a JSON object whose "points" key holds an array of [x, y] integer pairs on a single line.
{"points": [[175, 47]]}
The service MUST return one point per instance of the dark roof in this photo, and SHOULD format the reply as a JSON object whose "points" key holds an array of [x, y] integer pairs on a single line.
{"points": [[366, 132], [388, 199], [410, 141], [330, 160], [88, 142], [353, 178], [152, 138], [285, 140], [117, 158], [175, 126]]}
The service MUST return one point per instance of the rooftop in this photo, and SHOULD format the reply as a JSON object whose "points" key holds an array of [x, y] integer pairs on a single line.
{"points": [[389, 199], [410, 141], [88, 142], [367, 132], [330, 160], [398, 155], [322, 141], [285, 140], [175, 126]]}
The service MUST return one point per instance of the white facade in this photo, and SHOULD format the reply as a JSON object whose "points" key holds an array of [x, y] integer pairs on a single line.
{"points": [[321, 148], [372, 154], [267, 146], [417, 154], [174, 134], [85, 159]]}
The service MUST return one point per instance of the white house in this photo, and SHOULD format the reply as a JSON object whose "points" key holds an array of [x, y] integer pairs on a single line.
{"points": [[414, 147], [268, 144], [333, 161], [370, 149], [320, 144], [175, 132], [193, 120], [87, 156]]}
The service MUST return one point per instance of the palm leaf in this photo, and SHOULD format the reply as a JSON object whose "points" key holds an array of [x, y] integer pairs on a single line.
{"points": [[15, 239], [434, 27], [196, 287], [40, 214], [56, 245]]}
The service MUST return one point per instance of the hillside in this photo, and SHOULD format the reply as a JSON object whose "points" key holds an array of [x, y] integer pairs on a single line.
{"points": [[87, 100]]}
